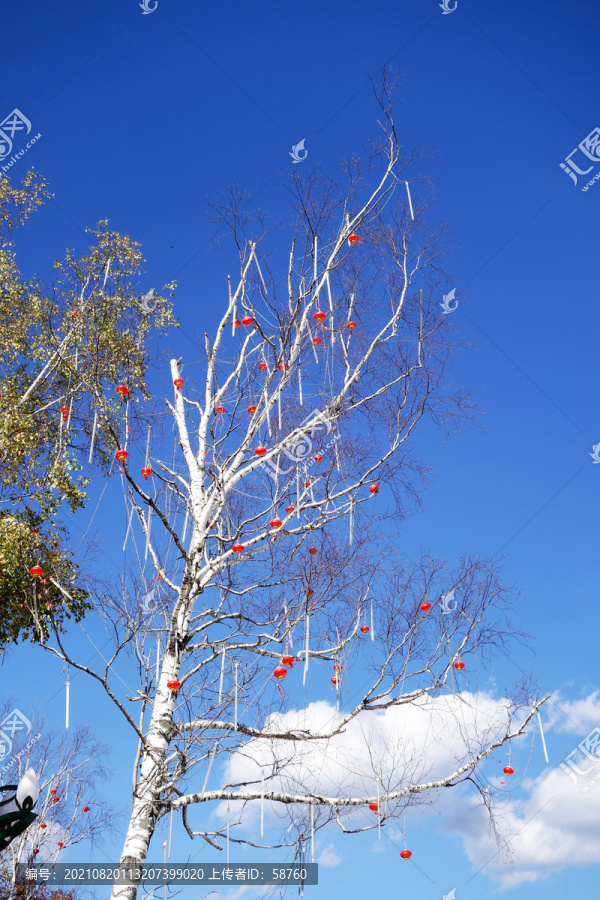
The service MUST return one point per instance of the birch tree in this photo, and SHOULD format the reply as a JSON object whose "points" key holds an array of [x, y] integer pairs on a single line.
{"points": [[271, 536]]}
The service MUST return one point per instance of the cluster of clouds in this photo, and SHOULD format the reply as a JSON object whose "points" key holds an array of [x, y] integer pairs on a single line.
{"points": [[543, 821]]}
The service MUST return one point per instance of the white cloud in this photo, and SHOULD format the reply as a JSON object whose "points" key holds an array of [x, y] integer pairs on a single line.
{"points": [[329, 858], [573, 716]]}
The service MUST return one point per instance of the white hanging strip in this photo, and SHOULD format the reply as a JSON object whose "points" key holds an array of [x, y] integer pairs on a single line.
{"points": [[312, 832], [300, 386], [262, 801], [165, 891], [268, 420], [372, 631], [93, 436], [170, 835], [235, 719], [210, 762], [107, 270], [68, 687], [330, 312], [378, 816], [185, 524], [351, 521], [298, 493], [148, 534], [148, 447], [315, 259], [279, 408], [306, 657], [412, 215], [311, 342], [68, 423], [542, 736], [222, 673], [260, 273], [157, 659]]}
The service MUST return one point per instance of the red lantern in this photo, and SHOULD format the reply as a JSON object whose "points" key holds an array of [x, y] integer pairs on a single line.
{"points": [[280, 673], [313, 551], [290, 509], [36, 571], [146, 472], [53, 791], [281, 366], [319, 316], [36, 851], [56, 799], [65, 412], [459, 665], [405, 854], [238, 548], [316, 341], [260, 451], [508, 770], [425, 606], [251, 410], [262, 366], [60, 844], [306, 484], [354, 239], [122, 390], [43, 825], [318, 458], [174, 685], [236, 323], [374, 489], [35, 531], [351, 326], [178, 382], [335, 680], [247, 320], [310, 593], [86, 809], [219, 409], [275, 523], [121, 455], [338, 667], [287, 661], [374, 807], [365, 629]]}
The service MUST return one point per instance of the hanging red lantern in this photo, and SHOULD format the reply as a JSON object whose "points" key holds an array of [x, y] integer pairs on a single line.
{"points": [[425, 606], [335, 680], [351, 326], [280, 673], [306, 484], [86, 809], [36, 851], [219, 410], [316, 341], [459, 665], [290, 509], [287, 661], [121, 455], [74, 314], [247, 320], [60, 844], [236, 323], [260, 451], [36, 571], [174, 685], [310, 593], [365, 629], [262, 366], [56, 799], [354, 239], [53, 791], [405, 854], [318, 458], [319, 316], [251, 410], [146, 472], [282, 366], [122, 390], [275, 523], [508, 770], [43, 825], [65, 413], [238, 548], [313, 551], [374, 807], [178, 382], [35, 531], [374, 489], [338, 667]]}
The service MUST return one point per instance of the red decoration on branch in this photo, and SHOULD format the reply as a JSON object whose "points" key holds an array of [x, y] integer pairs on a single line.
{"points": [[335, 680], [146, 472], [319, 316], [252, 410], [425, 606], [122, 390], [236, 323], [316, 341], [374, 489], [121, 455], [219, 410], [86, 809], [354, 239], [260, 451], [287, 661], [290, 509], [351, 326], [313, 551], [275, 523], [178, 382], [282, 366], [459, 665], [65, 413], [374, 807], [405, 854], [238, 548], [338, 667], [262, 366], [247, 320], [174, 685], [318, 458], [508, 770], [280, 673], [365, 629]]}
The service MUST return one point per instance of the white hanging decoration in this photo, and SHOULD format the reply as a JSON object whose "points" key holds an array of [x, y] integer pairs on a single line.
{"points": [[93, 436], [262, 801], [235, 718], [147, 462], [351, 521], [279, 408], [68, 687], [330, 310], [210, 762], [542, 736], [148, 534], [378, 816], [157, 659], [314, 349], [170, 834], [312, 832], [185, 524], [267, 407], [300, 386], [306, 656], [106, 271], [222, 673], [372, 630], [298, 492], [315, 259], [412, 215]]}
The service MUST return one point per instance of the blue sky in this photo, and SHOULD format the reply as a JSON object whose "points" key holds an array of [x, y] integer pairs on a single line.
{"points": [[143, 117]]}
